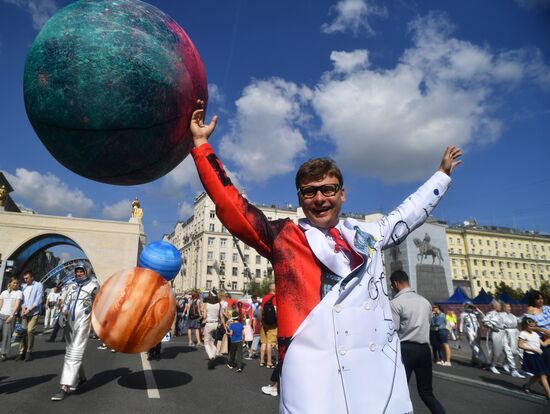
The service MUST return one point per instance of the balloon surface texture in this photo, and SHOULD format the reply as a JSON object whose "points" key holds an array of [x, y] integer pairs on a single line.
{"points": [[162, 257], [110, 87], [133, 310]]}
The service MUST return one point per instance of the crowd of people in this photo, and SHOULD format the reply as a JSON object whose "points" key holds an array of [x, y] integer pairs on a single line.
{"points": [[230, 330]]}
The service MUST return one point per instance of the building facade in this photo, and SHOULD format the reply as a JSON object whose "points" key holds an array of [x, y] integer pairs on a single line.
{"points": [[482, 257]]}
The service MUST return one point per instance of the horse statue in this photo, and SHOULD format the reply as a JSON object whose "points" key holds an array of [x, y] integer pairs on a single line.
{"points": [[426, 249]]}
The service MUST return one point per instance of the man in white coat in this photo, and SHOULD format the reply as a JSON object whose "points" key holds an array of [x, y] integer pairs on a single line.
{"points": [[338, 348]]}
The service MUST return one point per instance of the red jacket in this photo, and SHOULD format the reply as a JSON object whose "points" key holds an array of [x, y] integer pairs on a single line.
{"points": [[297, 271]]}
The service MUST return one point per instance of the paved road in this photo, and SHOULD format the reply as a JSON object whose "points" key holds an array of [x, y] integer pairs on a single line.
{"points": [[180, 382]]}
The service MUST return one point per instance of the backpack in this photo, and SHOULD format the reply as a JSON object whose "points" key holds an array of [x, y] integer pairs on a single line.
{"points": [[269, 314], [194, 310]]}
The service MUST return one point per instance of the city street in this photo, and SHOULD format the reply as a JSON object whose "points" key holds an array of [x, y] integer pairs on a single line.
{"points": [[180, 382]]}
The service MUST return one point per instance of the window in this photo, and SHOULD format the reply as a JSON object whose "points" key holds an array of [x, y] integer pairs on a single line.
{"points": [[475, 262], [454, 262], [478, 283], [211, 227], [258, 259], [233, 285], [258, 273], [488, 242], [211, 241], [210, 255], [455, 272], [234, 271], [246, 259], [209, 270], [223, 230], [484, 263], [223, 242], [212, 213], [235, 258], [208, 284]]}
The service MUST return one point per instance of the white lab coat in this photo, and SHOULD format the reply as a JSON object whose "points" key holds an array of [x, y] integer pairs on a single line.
{"points": [[345, 357]]}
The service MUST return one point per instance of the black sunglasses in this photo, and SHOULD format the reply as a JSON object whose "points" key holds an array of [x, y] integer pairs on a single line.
{"points": [[328, 190]]}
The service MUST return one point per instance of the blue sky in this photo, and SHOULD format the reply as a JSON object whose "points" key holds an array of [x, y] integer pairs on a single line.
{"points": [[382, 87]]}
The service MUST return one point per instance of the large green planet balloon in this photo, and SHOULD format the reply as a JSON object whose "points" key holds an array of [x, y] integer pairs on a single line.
{"points": [[110, 87]]}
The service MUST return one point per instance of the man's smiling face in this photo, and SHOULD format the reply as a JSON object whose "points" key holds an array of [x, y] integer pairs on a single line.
{"points": [[322, 211]]}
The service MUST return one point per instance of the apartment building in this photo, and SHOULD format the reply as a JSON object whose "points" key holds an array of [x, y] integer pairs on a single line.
{"points": [[484, 256]]}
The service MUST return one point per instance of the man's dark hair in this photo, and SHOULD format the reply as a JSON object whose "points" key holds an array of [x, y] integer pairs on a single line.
{"points": [[28, 272], [532, 297], [399, 276], [316, 169]]}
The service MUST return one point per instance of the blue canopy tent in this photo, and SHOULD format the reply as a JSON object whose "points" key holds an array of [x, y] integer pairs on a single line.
{"points": [[458, 297], [525, 299], [483, 298], [506, 298]]}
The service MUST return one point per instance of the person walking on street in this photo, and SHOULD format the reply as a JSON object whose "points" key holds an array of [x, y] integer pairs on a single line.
{"points": [[496, 335], [511, 334], [469, 325], [76, 317], [440, 337], [213, 318], [10, 301], [411, 315], [268, 333], [51, 307], [33, 293]]}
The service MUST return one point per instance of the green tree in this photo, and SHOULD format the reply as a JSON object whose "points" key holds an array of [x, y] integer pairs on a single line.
{"points": [[545, 290], [259, 288], [516, 294]]}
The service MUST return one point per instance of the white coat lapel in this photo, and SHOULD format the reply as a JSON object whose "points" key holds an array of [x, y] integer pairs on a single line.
{"points": [[322, 250]]}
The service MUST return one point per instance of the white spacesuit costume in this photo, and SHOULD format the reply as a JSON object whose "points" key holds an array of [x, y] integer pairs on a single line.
{"points": [[468, 323], [496, 335], [76, 318], [511, 334]]}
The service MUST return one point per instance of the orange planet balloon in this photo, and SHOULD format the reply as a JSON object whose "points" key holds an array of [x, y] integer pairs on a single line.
{"points": [[133, 310]]}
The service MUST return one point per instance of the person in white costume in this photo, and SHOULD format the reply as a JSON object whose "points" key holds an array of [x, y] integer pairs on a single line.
{"points": [[338, 346], [496, 335], [469, 325], [76, 318], [511, 333]]}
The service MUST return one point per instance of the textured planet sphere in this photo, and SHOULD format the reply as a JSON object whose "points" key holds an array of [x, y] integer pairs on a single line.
{"points": [[110, 87], [162, 257], [133, 310]]}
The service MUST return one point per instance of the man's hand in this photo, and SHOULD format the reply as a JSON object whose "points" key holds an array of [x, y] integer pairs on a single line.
{"points": [[198, 129], [450, 159]]}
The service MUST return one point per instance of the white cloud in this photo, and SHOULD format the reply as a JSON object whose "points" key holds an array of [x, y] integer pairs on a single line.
{"points": [[184, 175], [47, 194], [264, 139], [397, 121], [347, 62], [354, 16], [119, 210], [215, 95], [185, 210], [40, 10]]}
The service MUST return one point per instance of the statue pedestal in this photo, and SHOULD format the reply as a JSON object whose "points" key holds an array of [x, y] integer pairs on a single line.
{"points": [[431, 282]]}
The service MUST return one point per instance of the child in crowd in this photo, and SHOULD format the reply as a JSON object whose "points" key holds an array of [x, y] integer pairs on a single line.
{"points": [[248, 337], [235, 331], [533, 362]]}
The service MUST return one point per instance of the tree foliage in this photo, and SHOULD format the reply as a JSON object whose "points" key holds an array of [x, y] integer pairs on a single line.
{"points": [[516, 294], [259, 288]]}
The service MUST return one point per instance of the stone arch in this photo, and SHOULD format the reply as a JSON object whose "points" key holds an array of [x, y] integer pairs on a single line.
{"points": [[39, 243]]}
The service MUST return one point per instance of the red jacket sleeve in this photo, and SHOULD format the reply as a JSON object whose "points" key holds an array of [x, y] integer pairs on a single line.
{"points": [[241, 218]]}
